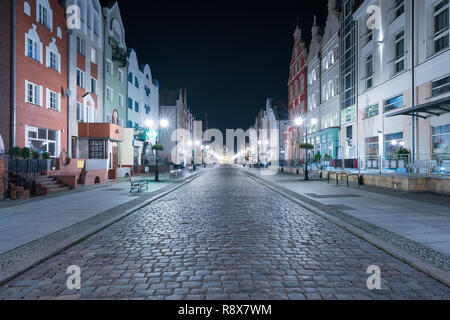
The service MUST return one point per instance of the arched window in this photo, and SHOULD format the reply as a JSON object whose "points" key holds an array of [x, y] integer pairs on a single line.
{"points": [[53, 58], [115, 117], [44, 13], [33, 45]]}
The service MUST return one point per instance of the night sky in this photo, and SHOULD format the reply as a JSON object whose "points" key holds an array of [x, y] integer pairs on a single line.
{"points": [[230, 55]]}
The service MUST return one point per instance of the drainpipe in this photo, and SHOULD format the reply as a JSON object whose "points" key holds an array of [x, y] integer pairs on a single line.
{"points": [[69, 131], [13, 74], [413, 87]]}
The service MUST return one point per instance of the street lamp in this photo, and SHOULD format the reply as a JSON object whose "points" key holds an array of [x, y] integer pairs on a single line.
{"points": [[298, 122], [162, 123]]}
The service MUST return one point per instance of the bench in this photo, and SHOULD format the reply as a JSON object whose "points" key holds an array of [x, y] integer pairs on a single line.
{"points": [[346, 175], [175, 174], [138, 184]]}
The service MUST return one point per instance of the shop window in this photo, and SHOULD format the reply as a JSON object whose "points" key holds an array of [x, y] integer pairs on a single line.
{"points": [[96, 149]]}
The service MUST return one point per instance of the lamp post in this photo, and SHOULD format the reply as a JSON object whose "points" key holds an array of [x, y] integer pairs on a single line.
{"points": [[298, 122], [162, 123]]}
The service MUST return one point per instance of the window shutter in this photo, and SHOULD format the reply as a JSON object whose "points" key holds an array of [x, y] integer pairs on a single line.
{"points": [[47, 98], [41, 58], [26, 91], [47, 56], [40, 96], [58, 101], [26, 44], [58, 62]]}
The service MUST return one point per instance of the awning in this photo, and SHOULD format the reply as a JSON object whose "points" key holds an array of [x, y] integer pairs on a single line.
{"points": [[424, 111]]}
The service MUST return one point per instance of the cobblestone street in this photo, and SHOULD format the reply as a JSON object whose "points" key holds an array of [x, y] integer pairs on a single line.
{"points": [[224, 236]]}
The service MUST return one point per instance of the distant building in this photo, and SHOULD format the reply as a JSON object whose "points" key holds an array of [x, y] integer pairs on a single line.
{"points": [[174, 108]]}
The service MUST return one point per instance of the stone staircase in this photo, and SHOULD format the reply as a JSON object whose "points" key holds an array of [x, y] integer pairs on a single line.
{"points": [[52, 185]]}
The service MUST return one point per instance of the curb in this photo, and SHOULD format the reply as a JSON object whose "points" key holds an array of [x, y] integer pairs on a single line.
{"points": [[425, 267], [21, 267]]}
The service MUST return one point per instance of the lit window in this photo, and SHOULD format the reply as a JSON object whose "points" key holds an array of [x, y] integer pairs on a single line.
{"points": [[399, 47], [441, 25]]}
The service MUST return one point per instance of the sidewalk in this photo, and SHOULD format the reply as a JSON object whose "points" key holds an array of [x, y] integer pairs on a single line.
{"points": [[422, 218], [26, 222]]}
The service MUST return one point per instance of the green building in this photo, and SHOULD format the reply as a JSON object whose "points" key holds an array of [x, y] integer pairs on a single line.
{"points": [[115, 67]]}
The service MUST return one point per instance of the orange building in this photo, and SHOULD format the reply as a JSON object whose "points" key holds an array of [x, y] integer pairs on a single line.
{"points": [[41, 76]]}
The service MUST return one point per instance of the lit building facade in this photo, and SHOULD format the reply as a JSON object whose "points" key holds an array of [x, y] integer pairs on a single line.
{"points": [[323, 86], [85, 59], [391, 117], [41, 77], [297, 91]]}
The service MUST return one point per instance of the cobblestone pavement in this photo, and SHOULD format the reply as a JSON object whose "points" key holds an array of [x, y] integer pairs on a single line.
{"points": [[224, 236]]}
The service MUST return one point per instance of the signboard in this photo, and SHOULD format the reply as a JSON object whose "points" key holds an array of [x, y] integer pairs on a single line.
{"points": [[80, 164]]}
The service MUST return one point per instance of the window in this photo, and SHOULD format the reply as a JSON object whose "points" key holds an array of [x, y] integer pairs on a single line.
{"points": [[130, 124], [372, 111], [53, 100], [399, 8], [44, 16], [130, 103], [80, 45], [32, 48], [33, 93], [130, 77], [440, 86], [147, 109], [53, 61], [441, 25], [94, 85], [136, 82], [120, 75], [93, 55], [302, 85], [369, 71], [399, 47], [392, 143], [96, 149], [441, 139], [372, 147], [43, 140], [79, 113], [369, 35], [136, 106], [393, 103], [109, 66], [109, 94], [121, 100], [80, 78]]}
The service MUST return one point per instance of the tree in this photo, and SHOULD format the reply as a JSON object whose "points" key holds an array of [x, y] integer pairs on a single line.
{"points": [[306, 146], [15, 152], [25, 153], [158, 147]]}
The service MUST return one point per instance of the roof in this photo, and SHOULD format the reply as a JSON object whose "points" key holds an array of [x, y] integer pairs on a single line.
{"points": [[281, 110], [429, 109], [168, 97]]}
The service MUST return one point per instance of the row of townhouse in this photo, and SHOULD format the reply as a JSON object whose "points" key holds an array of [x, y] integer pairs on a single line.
{"points": [[70, 86], [375, 80], [270, 125]]}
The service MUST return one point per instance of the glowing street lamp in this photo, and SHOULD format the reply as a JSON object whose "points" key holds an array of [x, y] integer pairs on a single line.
{"points": [[164, 123], [299, 122]]}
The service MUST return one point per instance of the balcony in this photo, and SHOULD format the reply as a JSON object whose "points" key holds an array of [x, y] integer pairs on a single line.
{"points": [[120, 55], [106, 131]]}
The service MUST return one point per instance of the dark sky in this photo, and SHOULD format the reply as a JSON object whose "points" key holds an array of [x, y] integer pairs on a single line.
{"points": [[230, 55]]}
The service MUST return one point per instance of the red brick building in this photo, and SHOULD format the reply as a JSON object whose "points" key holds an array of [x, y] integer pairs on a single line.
{"points": [[5, 76], [41, 76], [297, 94]]}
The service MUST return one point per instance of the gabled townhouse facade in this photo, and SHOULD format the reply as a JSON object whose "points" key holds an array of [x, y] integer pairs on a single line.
{"points": [[85, 59], [115, 66], [41, 79], [323, 85], [404, 87], [297, 93]]}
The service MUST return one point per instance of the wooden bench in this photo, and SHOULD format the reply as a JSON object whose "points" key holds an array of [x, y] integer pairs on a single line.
{"points": [[138, 184]]}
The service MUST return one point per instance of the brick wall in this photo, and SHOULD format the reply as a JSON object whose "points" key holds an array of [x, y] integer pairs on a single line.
{"points": [[3, 177], [5, 72], [37, 73]]}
